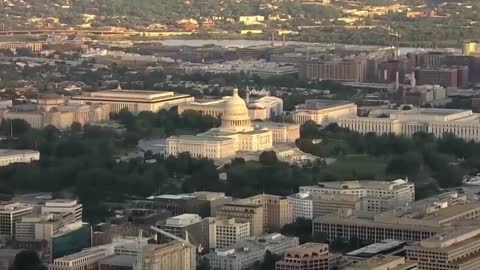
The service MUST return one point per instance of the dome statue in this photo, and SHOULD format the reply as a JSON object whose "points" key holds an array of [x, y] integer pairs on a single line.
{"points": [[235, 115]]}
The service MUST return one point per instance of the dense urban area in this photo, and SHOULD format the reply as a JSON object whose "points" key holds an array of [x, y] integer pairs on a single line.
{"points": [[239, 135]]}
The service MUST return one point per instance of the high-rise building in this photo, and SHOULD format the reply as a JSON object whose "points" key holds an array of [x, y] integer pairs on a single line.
{"points": [[245, 253], [456, 249], [10, 214], [228, 232], [309, 256], [413, 222]]}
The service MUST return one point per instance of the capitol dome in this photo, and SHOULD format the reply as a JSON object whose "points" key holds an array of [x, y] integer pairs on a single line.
{"points": [[235, 115]]}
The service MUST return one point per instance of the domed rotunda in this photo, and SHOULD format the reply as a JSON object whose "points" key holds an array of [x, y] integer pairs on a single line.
{"points": [[235, 115]]}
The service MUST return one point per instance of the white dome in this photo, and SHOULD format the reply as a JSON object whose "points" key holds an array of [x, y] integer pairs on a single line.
{"points": [[235, 115]]}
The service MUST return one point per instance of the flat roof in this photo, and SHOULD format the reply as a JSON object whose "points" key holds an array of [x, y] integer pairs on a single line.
{"points": [[202, 138], [376, 248], [120, 260], [9, 152], [79, 255], [380, 261]]}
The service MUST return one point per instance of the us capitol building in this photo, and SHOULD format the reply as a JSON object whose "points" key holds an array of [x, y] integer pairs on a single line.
{"points": [[236, 135]]}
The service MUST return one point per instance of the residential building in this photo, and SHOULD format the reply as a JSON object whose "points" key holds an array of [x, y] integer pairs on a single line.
{"points": [[323, 112], [412, 222], [228, 232], [135, 100], [8, 156], [462, 123], [309, 256], [245, 253], [384, 263], [51, 109], [10, 214], [455, 249], [368, 196], [85, 260]]}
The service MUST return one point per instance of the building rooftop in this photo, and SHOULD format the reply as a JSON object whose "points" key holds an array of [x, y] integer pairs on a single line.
{"points": [[119, 260], [201, 138], [9, 152], [79, 255], [383, 262], [365, 184], [321, 104], [377, 248], [131, 95], [183, 220]]}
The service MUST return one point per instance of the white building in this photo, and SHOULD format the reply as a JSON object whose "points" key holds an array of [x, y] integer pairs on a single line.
{"points": [[135, 100], [10, 214], [462, 123], [228, 232], [302, 205], [61, 206], [323, 112], [244, 254], [8, 156], [86, 260], [235, 134], [369, 196]]}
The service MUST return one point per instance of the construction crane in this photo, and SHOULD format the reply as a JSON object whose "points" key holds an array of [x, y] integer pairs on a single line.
{"points": [[185, 241]]}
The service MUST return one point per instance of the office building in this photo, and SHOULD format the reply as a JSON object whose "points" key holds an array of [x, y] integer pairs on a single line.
{"points": [[462, 123], [135, 100], [172, 256], [245, 213], [51, 109], [470, 48], [203, 203], [335, 70], [446, 77], [44, 227], [302, 205], [309, 256], [276, 210], [413, 222], [183, 225], [368, 196], [244, 254], [84, 260], [384, 263], [228, 232], [10, 214], [455, 249], [63, 206], [118, 262], [323, 112], [8, 156], [382, 248], [14, 46], [422, 95]]}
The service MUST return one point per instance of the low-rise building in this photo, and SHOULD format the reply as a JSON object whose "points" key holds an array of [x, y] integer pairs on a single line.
{"points": [[85, 260], [323, 112], [10, 214], [385, 263], [183, 225], [368, 196], [244, 254], [135, 100], [462, 123], [412, 222], [456, 249], [251, 213], [8, 156]]}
